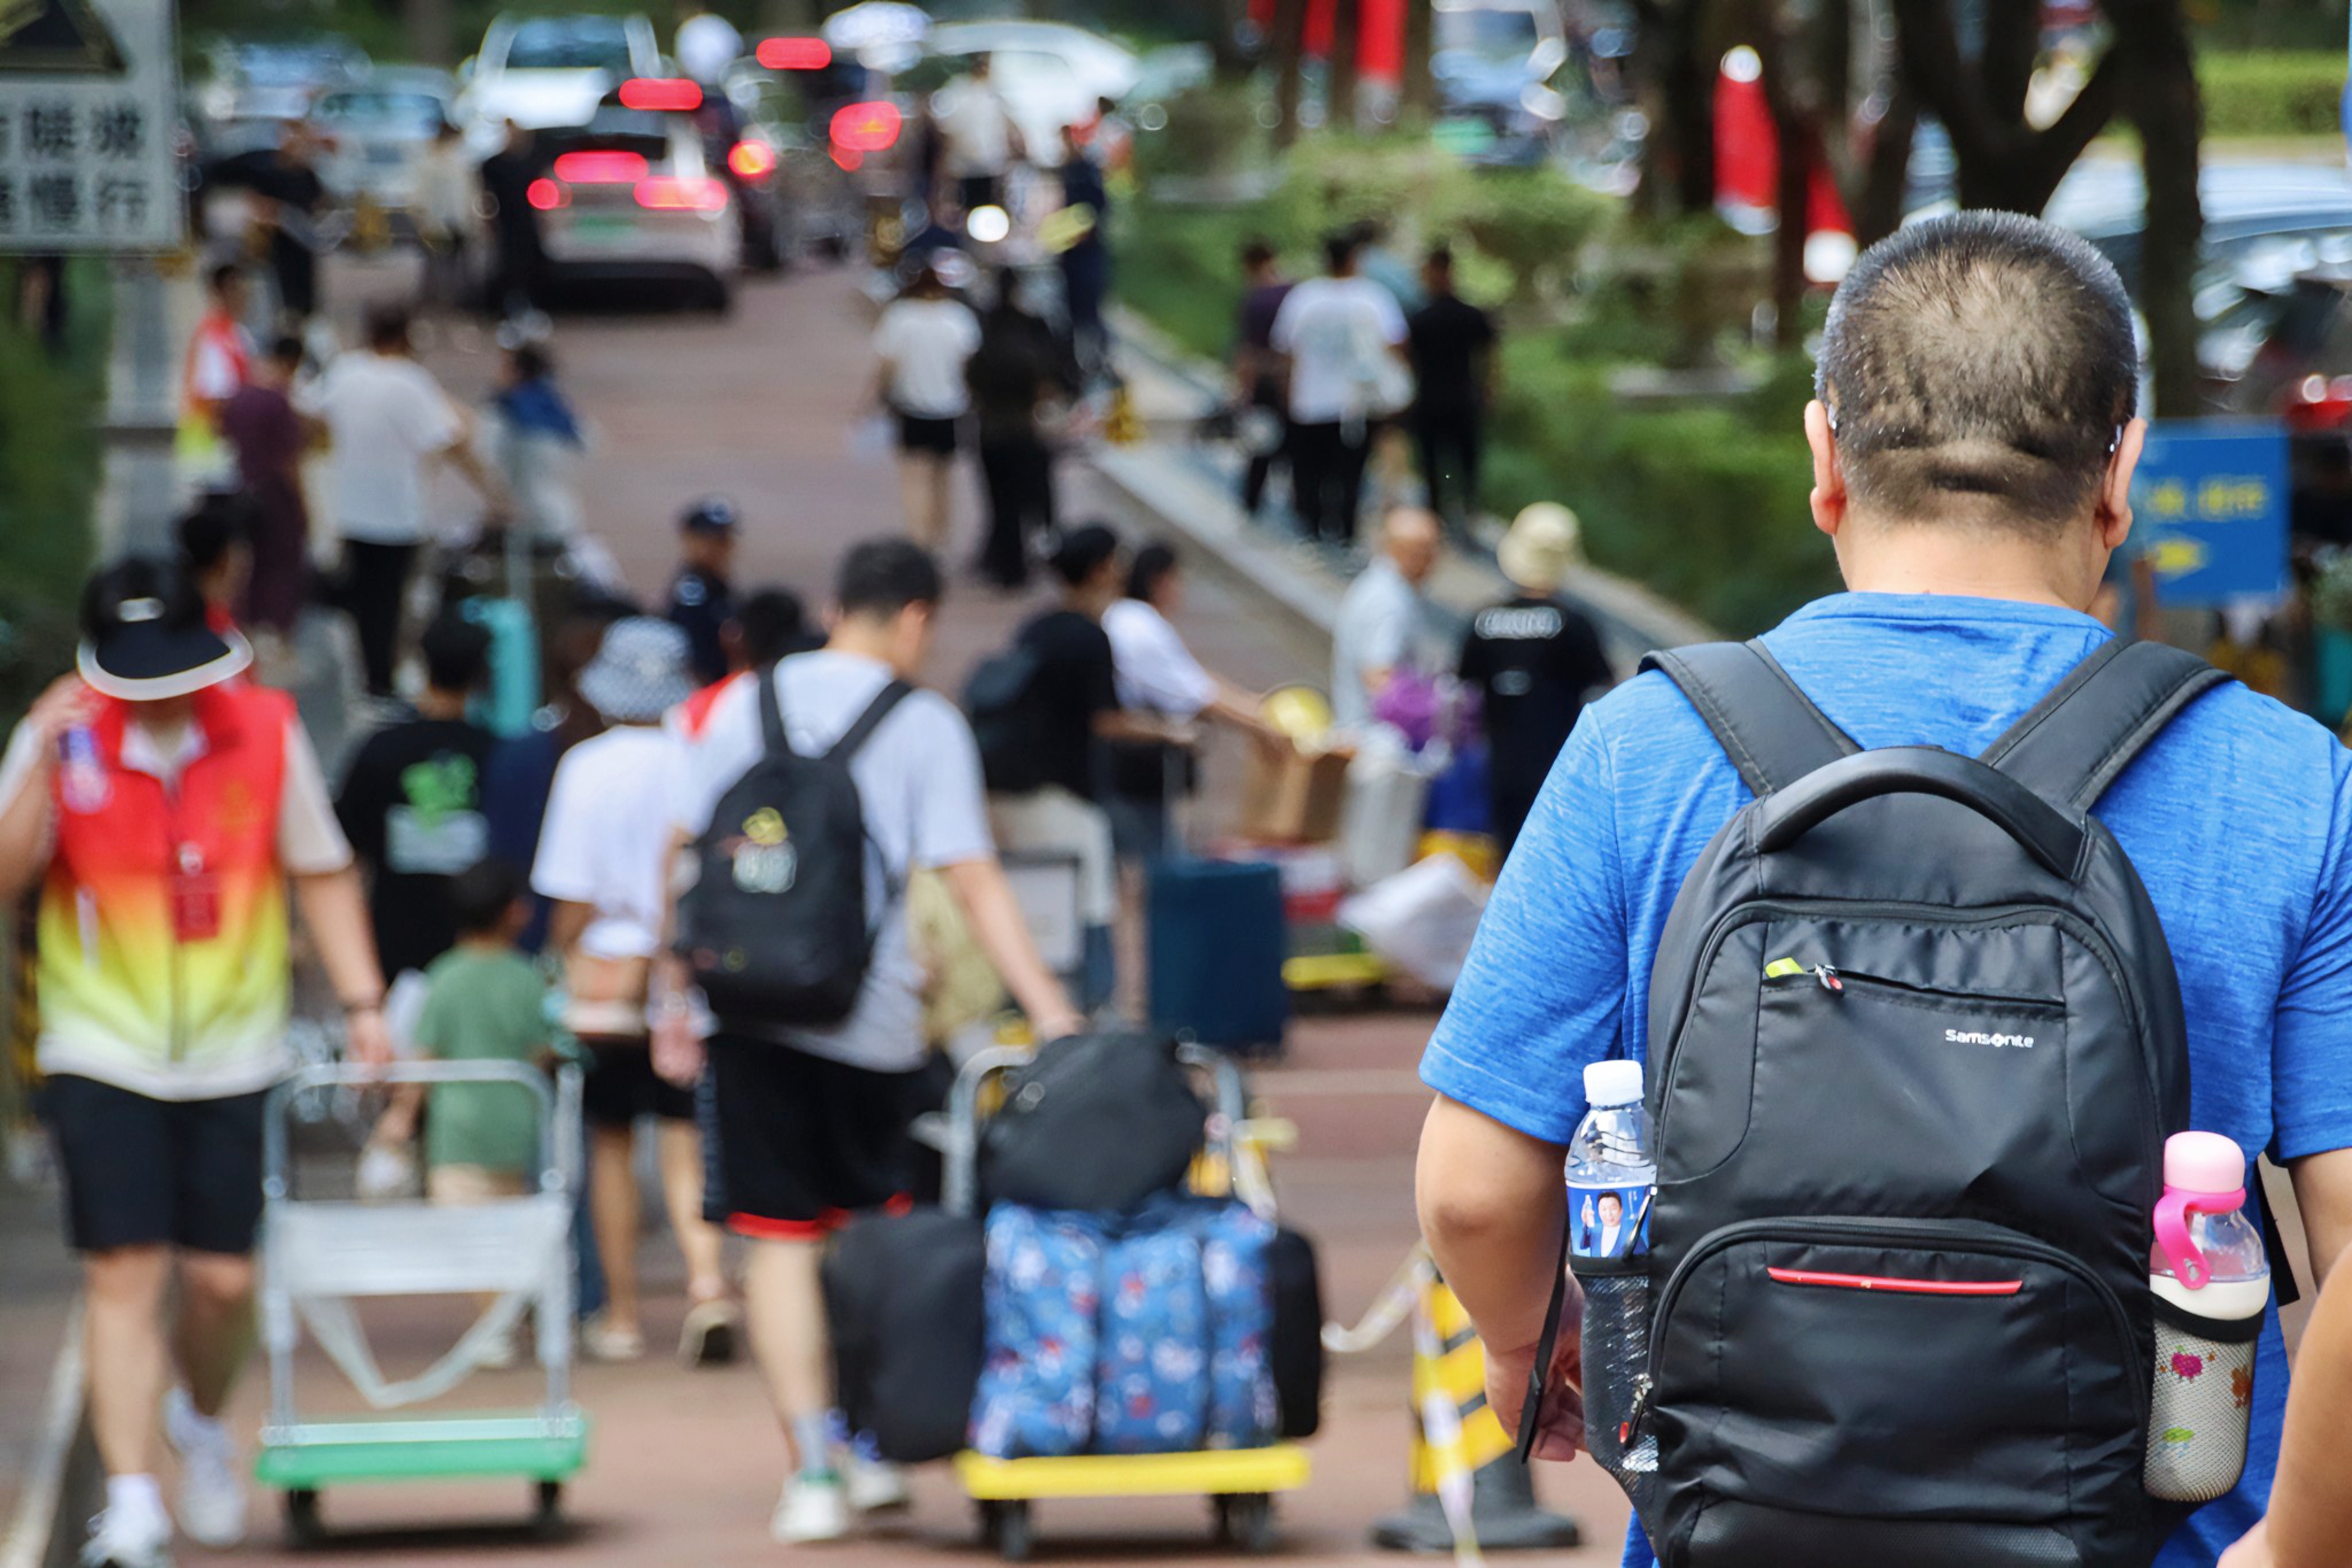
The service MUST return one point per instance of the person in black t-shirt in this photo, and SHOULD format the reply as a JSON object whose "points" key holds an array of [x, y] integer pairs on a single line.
{"points": [[1258, 379], [412, 800], [1452, 344], [518, 277], [1533, 658], [701, 598]]}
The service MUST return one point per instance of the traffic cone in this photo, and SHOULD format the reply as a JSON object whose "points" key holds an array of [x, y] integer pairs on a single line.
{"points": [[1456, 1438]]}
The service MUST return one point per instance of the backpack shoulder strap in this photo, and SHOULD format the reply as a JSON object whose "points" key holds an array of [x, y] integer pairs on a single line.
{"points": [[2076, 742], [771, 714], [889, 698], [1770, 730]]}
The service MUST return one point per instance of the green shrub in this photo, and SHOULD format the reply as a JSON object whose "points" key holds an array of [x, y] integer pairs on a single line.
{"points": [[1535, 222], [1212, 129], [49, 462], [2273, 93]]}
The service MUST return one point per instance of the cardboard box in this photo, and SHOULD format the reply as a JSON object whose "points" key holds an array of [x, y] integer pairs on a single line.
{"points": [[1294, 796]]}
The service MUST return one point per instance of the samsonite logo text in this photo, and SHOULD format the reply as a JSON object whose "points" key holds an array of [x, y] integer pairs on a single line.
{"points": [[1977, 1037]]}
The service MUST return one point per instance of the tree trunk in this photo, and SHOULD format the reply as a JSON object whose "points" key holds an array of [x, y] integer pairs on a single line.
{"points": [[1876, 203], [1347, 29], [1676, 87], [1793, 132], [1232, 57], [1288, 45], [2162, 90], [1418, 96]]}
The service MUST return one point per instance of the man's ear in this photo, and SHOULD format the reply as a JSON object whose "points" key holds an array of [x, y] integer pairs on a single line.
{"points": [[2115, 513], [1829, 472]]}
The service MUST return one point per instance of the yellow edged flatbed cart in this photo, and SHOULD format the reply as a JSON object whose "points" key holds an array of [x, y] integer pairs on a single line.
{"points": [[1241, 1484]]}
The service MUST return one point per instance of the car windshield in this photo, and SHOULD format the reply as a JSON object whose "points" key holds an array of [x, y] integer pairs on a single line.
{"points": [[1496, 34], [587, 43], [288, 66], [412, 111]]}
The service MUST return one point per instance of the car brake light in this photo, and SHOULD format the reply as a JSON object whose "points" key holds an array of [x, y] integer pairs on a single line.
{"points": [[699, 196], [865, 127], [546, 195], [848, 158], [605, 168], [794, 54], [653, 92], [751, 160], [2320, 403]]}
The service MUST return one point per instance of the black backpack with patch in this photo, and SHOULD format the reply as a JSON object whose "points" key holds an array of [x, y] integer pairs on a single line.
{"points": [[1916, 1043], [776, 928]]}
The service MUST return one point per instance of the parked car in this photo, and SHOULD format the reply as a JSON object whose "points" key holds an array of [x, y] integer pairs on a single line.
{"points": [[543, 72], [631, 197], [1050, 75], [797, 199], [378, 132], [247, 91], [1493, 61]]}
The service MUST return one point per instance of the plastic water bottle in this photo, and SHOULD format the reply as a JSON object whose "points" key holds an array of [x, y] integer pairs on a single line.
{"points": [[84, 783], [2210, 1276], [1612, 1173]]}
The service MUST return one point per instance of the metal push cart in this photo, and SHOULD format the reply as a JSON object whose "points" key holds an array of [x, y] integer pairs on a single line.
{"points": [[1240, 1483], [318, 1256]]}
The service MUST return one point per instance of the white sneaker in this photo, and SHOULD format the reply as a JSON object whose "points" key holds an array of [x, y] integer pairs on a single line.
{"points": [[874, 1486], [604, 1341], [813, 1509], [120, 1538], [212, 1490], [500, 1355], [708, 1337]]}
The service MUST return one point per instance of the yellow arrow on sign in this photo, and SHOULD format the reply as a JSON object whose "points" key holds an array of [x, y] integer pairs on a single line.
{"points": [[2176, 557]]}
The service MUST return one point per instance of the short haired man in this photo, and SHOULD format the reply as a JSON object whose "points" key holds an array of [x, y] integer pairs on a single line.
{"points": [[1452, 344], [702, 599], [1258, 381], [811, 1123], [1332, 332], [1973, 445], [1385, 624]]}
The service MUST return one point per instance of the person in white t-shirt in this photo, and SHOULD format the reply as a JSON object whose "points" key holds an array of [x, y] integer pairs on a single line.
{"points": [[810, 1125], [979, 139], [923, 341], [1343, 337], [389, 423], [602, 863]]}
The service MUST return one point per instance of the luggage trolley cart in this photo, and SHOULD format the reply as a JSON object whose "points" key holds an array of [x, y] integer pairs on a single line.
{"points": [[1240, 1483], [318, 1256]]}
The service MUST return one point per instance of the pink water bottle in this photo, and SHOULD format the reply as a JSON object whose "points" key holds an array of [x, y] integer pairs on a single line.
{"points": [[2210, 1277]]}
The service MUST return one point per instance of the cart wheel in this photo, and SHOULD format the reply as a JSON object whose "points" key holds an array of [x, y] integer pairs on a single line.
{"points": [[1248, 1521], [1221, 1507], [547, 1508], [986, 1510], [1014, 1540], [302, 1518]]}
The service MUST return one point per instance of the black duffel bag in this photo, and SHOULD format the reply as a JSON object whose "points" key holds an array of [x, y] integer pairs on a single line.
{"points": [[1295, 1348], [1095, 1121], [902, 1293]]}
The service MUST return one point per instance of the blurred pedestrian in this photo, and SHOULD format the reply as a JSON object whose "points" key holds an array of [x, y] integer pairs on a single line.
{"points": [[604, 863], [1014, 375], [219, 358], [535, 442], [923, 341], [517, 278], [1454, 373], [269, 440], [810, 1125], [160, 809], [1386, 627], [1086, 261], [707, 45], [411, 799], [449, 213], [389, 423], [978, 139], [701, 597], [1260, 385], [294, 199], [1334, 332], [770, 624], [1535, 660]]}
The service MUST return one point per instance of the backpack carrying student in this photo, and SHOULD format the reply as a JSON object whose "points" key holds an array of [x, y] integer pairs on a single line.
{"points": [[1000, 700], [1916, 1042], [776, 928]]}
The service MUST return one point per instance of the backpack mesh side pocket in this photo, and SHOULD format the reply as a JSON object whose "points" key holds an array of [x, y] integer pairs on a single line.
{"points": [[1616, 1355]]}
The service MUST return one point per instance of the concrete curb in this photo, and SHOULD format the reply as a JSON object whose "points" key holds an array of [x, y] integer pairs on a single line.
{"points": [[63, 1477]]}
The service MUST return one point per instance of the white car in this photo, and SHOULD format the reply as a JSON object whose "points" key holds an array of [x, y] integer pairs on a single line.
{"points": [[1049, 75], [630, 197], [543, 72], [377, 133]]}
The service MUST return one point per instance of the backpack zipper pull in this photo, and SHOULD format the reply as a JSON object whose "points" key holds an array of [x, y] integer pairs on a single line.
{"points": [[1828, 977], [1633, 1422]]}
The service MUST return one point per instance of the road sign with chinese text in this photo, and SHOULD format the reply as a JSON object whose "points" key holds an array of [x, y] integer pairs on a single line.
{"points": [[88, 107], [2209, 509]]}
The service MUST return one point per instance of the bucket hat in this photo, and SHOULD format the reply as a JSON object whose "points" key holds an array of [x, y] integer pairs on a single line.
{"points": [[639, 672], [1543, 543]]}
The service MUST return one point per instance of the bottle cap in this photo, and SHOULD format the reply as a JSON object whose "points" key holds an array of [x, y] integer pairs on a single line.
{"points": [[1620, 1083], [2193, 1161]]}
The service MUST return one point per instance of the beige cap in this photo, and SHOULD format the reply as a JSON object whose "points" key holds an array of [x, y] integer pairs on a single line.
{"points": [[1544, 542]]}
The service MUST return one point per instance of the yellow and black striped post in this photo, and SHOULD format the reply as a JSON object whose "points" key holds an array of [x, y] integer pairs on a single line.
{"points": [[1456, 1438]]}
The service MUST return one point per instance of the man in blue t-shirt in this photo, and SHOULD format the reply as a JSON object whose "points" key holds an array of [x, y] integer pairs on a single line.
{"points": [[1973, 445]]}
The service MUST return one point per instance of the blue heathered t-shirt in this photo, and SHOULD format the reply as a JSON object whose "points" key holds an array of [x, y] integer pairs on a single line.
{"points": [[2236, 817]]}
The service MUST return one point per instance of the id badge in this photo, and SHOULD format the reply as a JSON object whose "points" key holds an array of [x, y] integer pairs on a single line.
{"points": [[196, 898]]}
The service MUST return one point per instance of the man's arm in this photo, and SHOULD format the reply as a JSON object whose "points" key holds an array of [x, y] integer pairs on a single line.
{"points": [[26, 837], [998, 926], [1492, 1206], [460, 455], [335, 909], [2311, 1507], [2323, 1192], [568, 920]]}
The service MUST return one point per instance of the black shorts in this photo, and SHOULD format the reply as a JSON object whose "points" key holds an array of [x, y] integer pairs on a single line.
{"points": [[156, 1173], [799, 1143], [936, 437], [621, 1086]]}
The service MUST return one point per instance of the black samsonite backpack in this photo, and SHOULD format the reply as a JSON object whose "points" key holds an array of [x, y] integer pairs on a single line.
{"points": [[776, 927], [1915, 1046]]}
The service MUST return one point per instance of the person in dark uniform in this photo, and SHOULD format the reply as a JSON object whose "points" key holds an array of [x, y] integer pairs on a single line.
{"points": [[1533, 658], [507, 174], [700, 602]]}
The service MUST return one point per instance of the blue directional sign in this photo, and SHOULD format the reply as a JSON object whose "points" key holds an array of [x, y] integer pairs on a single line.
{"points": [[2209, 507]]}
